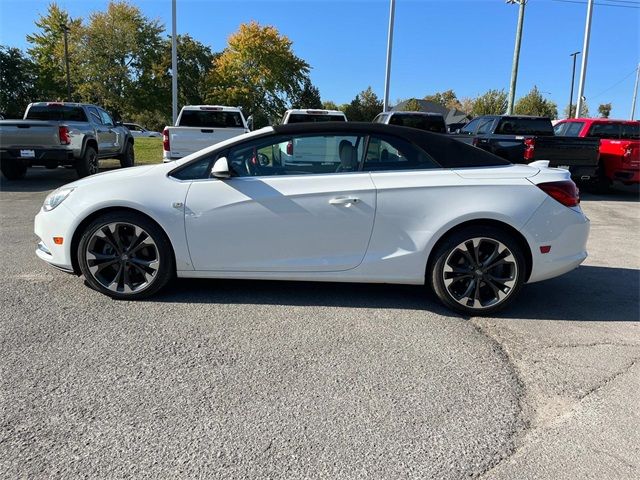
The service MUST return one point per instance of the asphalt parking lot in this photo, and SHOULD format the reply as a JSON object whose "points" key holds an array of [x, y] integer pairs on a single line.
{"points": [[240, 379]]}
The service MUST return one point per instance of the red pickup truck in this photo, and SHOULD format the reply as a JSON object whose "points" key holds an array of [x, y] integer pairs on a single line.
{"points": [[619, 147]]}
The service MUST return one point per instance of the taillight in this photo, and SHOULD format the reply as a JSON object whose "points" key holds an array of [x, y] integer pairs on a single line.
{"points": [[166, 144], [289, 148], [63, 135], [564, 192], [529, 148]]}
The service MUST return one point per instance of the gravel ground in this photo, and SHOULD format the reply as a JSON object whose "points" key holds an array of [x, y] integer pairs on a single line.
{"points": [[238, 379]]}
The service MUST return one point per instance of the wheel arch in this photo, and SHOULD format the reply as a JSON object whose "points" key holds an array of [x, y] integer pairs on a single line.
{"points": [[77, 234], [89, 142], [485, 222]]}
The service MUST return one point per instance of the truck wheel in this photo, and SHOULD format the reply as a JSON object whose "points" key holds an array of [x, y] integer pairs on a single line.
{"points": [[13, 170], [477, 271], [128, 159], [88, 164]]}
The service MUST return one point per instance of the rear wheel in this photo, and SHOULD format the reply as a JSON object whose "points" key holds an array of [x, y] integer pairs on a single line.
{"points": [[478, 270], [88, 164], [127, 159], [125, 256], [13, 170]]}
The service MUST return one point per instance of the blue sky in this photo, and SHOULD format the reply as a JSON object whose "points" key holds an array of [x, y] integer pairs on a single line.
{"points": [[466, 45]]}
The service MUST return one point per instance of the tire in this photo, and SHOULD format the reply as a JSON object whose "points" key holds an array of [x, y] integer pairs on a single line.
{"points": [[13, 170], [125, 255], [460, 279], [88, 164], [601, 183], [127, 159]]}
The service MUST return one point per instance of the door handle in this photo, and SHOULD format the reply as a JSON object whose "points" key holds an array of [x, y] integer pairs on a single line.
{"points": [[348, 201]]}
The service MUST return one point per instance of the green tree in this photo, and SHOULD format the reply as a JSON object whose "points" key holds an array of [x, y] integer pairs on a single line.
{"points": [[195, 61], [447, 98], [330, 105], [17, 88], [308, 97], [412, 105], [257, 70], [604, 110], [533, 103], [121, 48], [364, 107], [47, 53], [570, 111], [492, 102]]}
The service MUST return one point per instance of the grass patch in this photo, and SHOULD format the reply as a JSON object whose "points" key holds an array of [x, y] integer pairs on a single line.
{"points": [[148, 150]]}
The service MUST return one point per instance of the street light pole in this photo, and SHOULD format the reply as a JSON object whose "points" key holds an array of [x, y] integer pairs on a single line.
{"points": [[65, 30], [516, 55], [385, 102], [573, 77], [635, 94], [585, 56], [174, 64]]}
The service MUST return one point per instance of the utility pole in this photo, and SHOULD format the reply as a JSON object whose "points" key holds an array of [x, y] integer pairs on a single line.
{"points": [[573, 77], [585, 56], [174, 63], [635, 94], [516, 55], [385, 102], [65, 30]]}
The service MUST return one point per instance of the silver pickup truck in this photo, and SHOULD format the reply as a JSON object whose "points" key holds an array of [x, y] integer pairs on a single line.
{"points": [[70, 134]]}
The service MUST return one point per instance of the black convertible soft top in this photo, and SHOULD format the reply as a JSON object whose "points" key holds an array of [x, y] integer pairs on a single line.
{"points": [[448, 152]]}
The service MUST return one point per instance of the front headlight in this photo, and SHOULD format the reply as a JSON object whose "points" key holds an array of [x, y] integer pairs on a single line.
{"points": [[55, 198]]}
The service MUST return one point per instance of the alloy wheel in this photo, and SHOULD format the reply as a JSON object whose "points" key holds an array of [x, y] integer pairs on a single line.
{"points": [[122, 257], [480, 273]]}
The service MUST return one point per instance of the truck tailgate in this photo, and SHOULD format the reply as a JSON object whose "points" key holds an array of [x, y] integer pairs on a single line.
{"points": [[186, 140], [28, 133], [567, 151]]}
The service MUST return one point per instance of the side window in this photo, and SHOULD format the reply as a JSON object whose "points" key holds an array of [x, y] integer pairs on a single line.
{"points": [[106, 118], [390, 153], [485, 126], [605, 130], [470, 127], [573, 129], [95, 116], [630, 131], [297, 155]]}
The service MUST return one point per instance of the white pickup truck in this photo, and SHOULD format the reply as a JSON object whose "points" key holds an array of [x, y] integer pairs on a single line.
{"points": [[200, 126]]}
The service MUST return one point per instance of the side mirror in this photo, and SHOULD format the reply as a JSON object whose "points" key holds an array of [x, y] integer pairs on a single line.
{"points": [[221, 169], [250, 122]]}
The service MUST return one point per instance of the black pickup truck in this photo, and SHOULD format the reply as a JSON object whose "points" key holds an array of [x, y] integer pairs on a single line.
{"points": [[524, 139]]}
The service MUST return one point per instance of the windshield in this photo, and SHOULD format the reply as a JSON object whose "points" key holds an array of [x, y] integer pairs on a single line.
{"points": [[430, 123], [302, 118], [524, 126], [56, 113], [210, 119], [568, 129]]}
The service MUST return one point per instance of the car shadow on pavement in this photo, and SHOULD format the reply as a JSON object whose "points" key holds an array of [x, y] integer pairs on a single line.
{"points": [[40, 179], [617, 193], [587, 294]]}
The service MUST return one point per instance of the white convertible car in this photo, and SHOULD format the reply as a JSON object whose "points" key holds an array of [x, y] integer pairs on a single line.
{"points": [[385, 204]]}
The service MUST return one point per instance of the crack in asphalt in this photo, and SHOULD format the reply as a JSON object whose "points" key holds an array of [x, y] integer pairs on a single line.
{"points": [[608, 380], [523, 419]]}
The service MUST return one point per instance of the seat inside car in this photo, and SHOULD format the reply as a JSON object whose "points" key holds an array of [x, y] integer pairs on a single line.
{"points": [[348, 156]]}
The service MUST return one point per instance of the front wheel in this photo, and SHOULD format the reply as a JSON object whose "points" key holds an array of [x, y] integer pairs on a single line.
{"points": [[477, 271], [125, 256]]}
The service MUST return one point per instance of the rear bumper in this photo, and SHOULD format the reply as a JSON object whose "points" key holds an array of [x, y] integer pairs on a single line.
{"points": [[41, 156], [626, 176], [565, 230]]}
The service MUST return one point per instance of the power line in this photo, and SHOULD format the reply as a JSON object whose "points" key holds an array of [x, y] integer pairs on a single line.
{"points": [[635, 6], [615, 84]]}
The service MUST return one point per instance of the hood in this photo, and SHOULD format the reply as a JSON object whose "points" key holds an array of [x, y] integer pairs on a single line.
{"points": [[113, 175]]}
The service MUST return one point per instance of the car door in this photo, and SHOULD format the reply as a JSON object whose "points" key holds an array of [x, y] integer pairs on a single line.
{"points": [[275, 217], [110, 136]]}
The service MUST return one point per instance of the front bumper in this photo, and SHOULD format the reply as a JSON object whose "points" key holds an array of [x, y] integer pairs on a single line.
{"points": [[56, 223], [565, 230]]}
